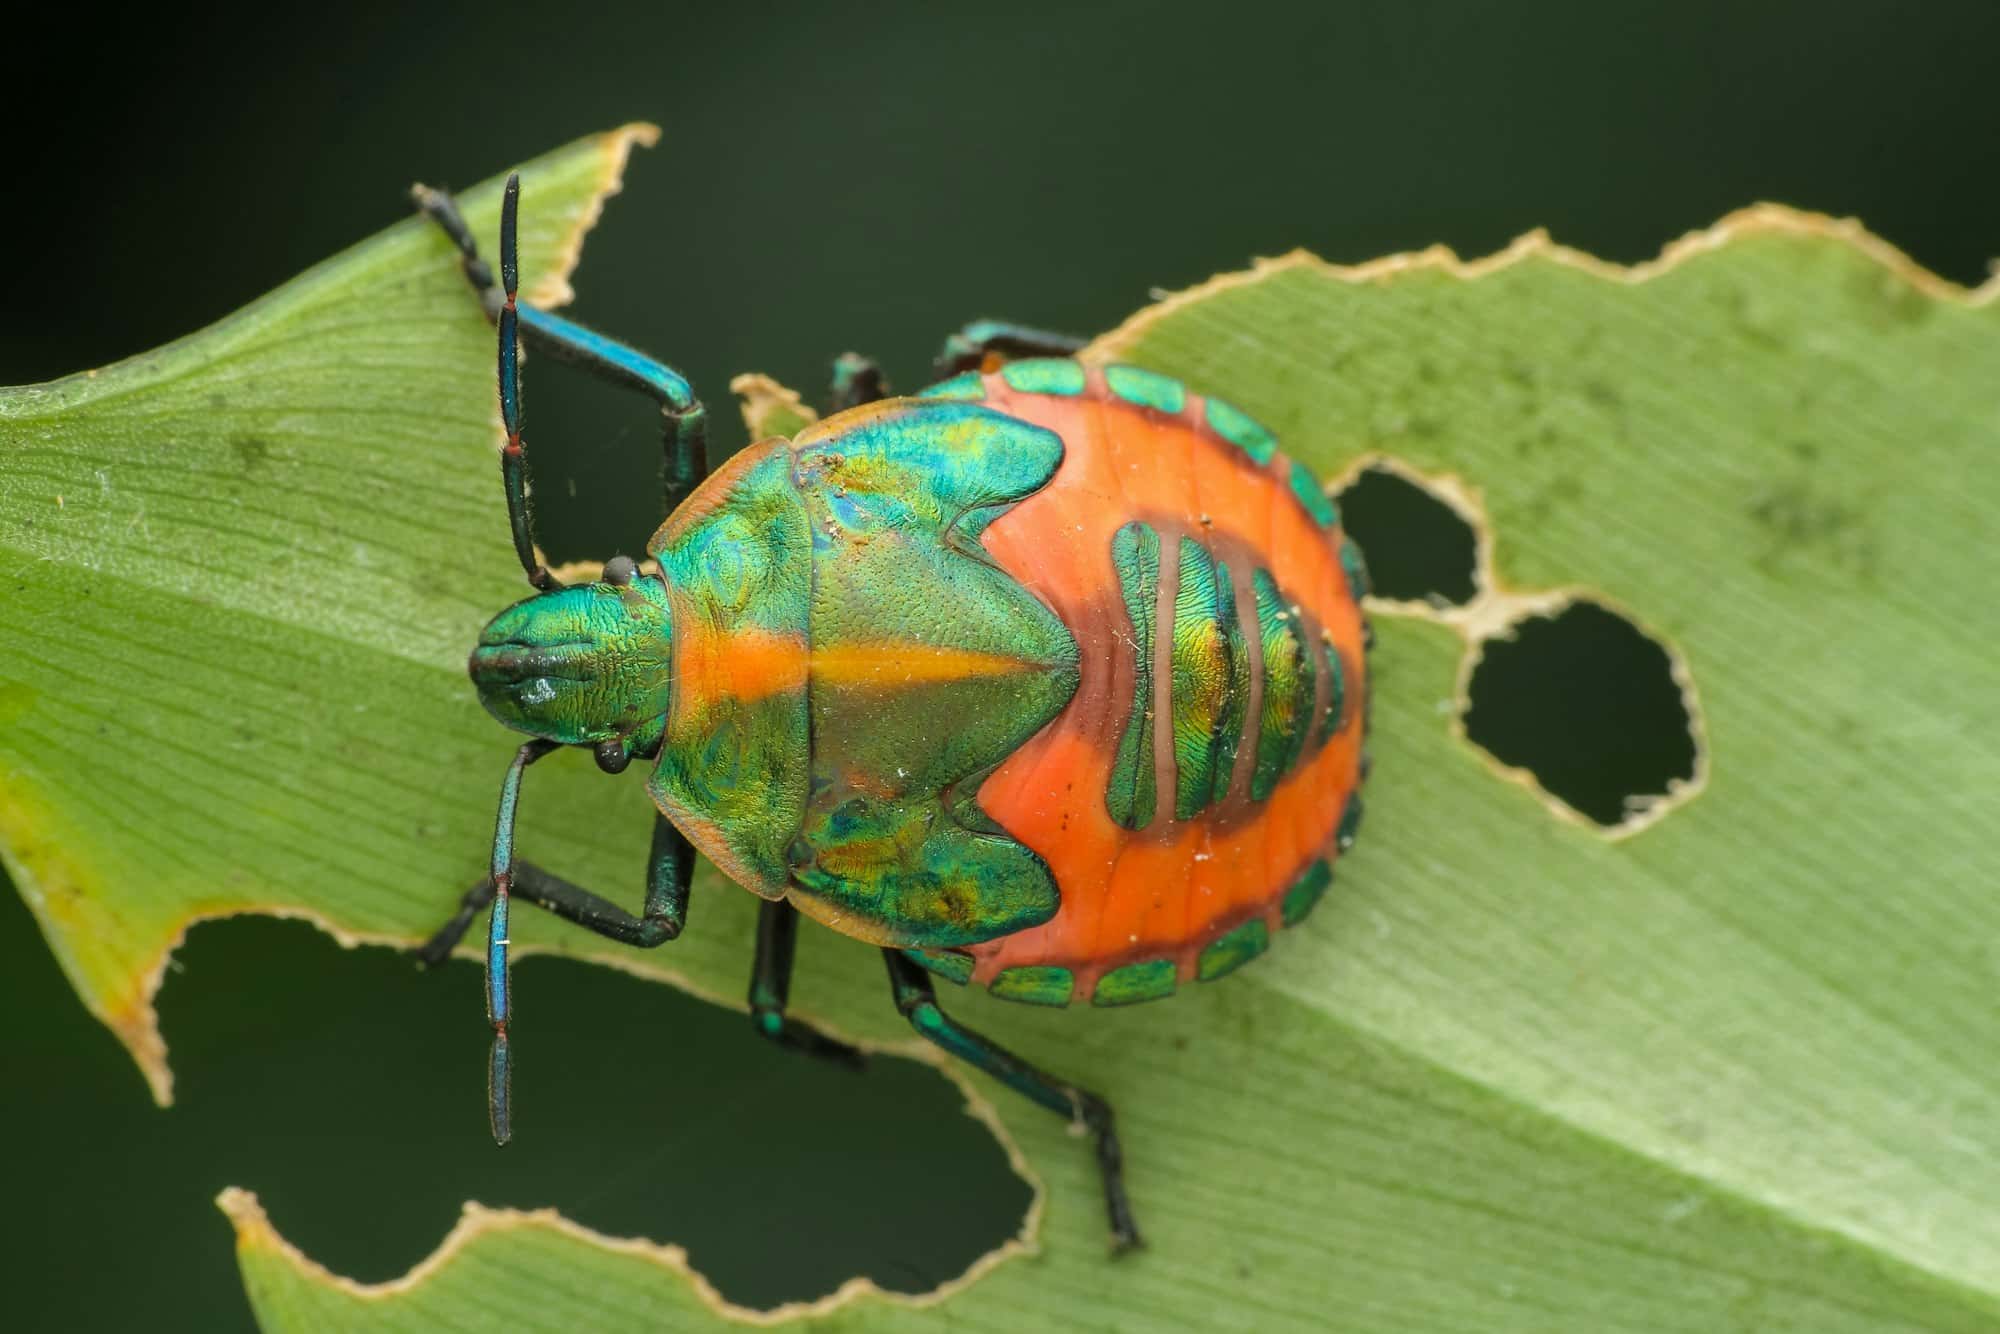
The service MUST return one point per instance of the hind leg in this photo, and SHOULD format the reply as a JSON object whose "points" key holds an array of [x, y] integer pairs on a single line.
{"points": [[917, 1000], [858, 379], [970, 347]]}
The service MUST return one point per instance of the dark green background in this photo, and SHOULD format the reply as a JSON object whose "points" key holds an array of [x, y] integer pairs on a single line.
{"points": [[831, 177]]}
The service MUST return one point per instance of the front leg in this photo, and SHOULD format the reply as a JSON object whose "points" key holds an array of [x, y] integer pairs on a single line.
{"points": [[771, 989], [668, 871], [686, 420]]}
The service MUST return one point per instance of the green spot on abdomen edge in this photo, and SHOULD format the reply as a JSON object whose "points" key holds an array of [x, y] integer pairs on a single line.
{"points": [[1148, 389], [1233, 950], [1306, 892], [1318, 504], [951, 965], [967, 385], [1241, 429], [1150, 980], [1044, 375], [1035, 984], [1354, 567], [1350, 823]]}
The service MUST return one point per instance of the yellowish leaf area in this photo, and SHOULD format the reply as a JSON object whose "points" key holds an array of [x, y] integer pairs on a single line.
{"points": [[1734, 1067]]}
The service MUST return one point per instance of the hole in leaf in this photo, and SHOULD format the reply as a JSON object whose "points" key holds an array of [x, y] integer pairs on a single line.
{"points": [[347, 1088], [1419, 549], [595, 464], [1587, 703]]}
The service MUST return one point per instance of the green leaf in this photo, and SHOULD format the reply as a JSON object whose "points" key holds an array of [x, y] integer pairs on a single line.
{"points": [[239, 576], [1736, 1069]]}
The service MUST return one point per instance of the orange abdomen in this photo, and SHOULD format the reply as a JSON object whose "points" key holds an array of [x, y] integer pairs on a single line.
{"points": [[1190, 796]]}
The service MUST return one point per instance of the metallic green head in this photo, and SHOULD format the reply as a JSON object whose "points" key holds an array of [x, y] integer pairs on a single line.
{"points": [[588, 665]]}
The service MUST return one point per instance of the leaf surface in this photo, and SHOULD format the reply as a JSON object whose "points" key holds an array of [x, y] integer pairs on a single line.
{"points": [[1737, 1069]]}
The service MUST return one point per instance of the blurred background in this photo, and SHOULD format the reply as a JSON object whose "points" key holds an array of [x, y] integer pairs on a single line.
{"points": [[863, 177]]}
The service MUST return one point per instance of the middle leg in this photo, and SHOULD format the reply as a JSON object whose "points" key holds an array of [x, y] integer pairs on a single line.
{"points": [[668, 870], [771, 989], [668, 874]]}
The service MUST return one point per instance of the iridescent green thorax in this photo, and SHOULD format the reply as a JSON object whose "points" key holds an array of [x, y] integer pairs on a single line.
{"points": [[930, 667], [578, 665], [738, 563], [850, 664], [835, 672]]}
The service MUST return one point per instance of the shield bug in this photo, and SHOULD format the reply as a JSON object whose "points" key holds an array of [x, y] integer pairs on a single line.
{"points": [[1049, 679]]}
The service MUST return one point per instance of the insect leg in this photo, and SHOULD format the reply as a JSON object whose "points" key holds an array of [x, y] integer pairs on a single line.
{"points": [[918, 1003], [499, 1005], [665, 913], [686, 419], [666, 910], [969, 348], [514, 454], [442, 209], [771, 987], [445, 939], [856, 380]]}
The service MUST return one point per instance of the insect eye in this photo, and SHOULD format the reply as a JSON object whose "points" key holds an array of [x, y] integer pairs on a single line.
{"points": [[619, 570], [612, 757]]}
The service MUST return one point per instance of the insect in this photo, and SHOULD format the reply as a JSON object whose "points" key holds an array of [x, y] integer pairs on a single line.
{"points": [[1051, 679]]}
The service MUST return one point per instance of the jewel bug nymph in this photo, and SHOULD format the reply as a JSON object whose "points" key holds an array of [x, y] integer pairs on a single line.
{"points": [[1051, 679]]}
